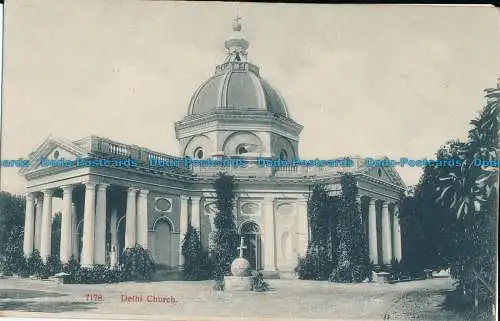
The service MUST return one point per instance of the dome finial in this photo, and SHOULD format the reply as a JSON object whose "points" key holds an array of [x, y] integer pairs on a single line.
{"points": [[236, 44], [236, 23]]}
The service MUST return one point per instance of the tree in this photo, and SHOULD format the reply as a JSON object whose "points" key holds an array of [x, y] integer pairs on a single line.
{"points": [[464, 191], [353, 261], [472, 194], [191, 250], [322, 247], [428, 226], [14, 261], [12, 211], [225, 238]]}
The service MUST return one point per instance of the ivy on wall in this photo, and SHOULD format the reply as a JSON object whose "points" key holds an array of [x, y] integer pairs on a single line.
{"points": [[225, 238]]}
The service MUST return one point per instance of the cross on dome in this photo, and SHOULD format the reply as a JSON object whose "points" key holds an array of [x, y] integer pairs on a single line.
{"points": [[236, 23]]}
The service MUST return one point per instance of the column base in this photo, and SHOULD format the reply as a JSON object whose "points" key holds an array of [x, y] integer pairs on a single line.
{"points": [[87, 266], [268, 274]]}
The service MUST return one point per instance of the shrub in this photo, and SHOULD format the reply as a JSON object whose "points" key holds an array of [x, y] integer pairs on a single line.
{"points": [[75, 272], [257, 282], [315, 265], [224, 252], [53, 265], [343, 273], [207, 266], [191, 250], [137, 264], [34, 263], [96, 274], [219, 285], [14, 261]]}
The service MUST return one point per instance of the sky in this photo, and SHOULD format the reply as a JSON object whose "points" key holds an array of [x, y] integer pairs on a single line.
{"points": [[370, 80]]}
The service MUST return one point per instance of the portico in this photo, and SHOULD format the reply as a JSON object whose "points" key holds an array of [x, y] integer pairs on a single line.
{"points": [[92, 196]]}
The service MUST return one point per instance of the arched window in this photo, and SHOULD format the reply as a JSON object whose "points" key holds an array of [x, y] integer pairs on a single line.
{"points": [[198, 153], [283, 155]]}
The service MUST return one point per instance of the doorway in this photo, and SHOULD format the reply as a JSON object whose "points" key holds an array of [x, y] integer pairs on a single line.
{"points": [[250, 232]]}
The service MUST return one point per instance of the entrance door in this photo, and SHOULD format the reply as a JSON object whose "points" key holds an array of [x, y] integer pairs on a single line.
{"points": [[252, 240]]}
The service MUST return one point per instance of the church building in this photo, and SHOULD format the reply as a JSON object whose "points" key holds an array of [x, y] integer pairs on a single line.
{"points": [[115, 195]]}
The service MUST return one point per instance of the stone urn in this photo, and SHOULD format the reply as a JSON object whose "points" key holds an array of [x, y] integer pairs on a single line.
{"points": [[240, 267]]}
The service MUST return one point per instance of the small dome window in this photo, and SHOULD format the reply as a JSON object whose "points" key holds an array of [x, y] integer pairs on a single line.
{"points": [[242, 149], [198, 153], [56, 154]]}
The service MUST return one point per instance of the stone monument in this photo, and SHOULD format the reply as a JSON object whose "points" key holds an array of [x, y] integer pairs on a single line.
{"points": [[240, 268], [113, 258]]}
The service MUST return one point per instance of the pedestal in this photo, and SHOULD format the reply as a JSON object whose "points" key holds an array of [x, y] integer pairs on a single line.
{"points": [[383, 277], [237, 283]]}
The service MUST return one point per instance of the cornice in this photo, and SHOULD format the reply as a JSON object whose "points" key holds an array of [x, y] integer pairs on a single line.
{"points": [[217, 120]]}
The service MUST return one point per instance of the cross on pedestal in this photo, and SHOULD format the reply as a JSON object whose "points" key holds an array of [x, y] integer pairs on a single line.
{"points": [[241, 247]]}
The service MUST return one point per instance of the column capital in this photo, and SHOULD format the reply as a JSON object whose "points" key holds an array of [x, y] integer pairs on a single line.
{"points": [[372, 201], [89, 185], [47, 192], [67, 188], [102, 186], [184, 197], [29, 196], [385, 204], [195, 198], [39, 198], [132, 190], [143, 192]]}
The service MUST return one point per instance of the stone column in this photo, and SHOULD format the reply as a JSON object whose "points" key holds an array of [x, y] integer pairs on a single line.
{"points": [[372, 232], [114, 239], [38, 222], [130, 218], [142, 218], [100, 225], [396, 234], [46, 225], [87, 258], [195, 213], [386, 234], [360, 208], [183, 223], [29, 225], [302, 227], [65, 248], [74, 231], [269, 234]]}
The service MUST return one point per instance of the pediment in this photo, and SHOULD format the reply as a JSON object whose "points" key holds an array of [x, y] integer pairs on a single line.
{"points": [[53, 149], [386, 174]]}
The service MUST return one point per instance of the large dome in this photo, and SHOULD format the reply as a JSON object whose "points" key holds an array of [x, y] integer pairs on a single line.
{"points": [[237, 84], [237, 90]]}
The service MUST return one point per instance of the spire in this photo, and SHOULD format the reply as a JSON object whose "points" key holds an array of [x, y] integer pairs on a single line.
{"points": [[236, 44]]}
